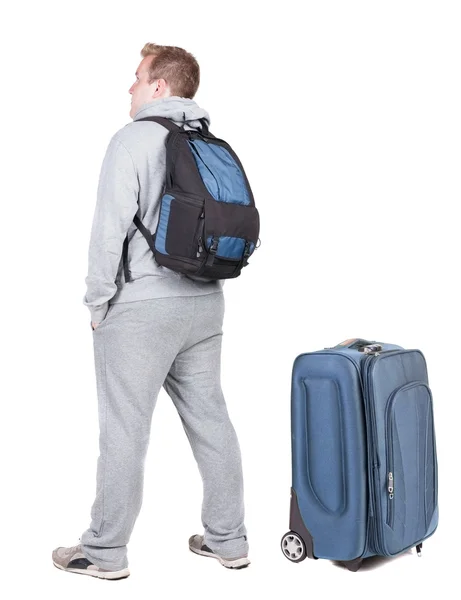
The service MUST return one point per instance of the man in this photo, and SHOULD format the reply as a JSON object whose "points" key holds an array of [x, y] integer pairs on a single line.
{"points": [[161, 328]]}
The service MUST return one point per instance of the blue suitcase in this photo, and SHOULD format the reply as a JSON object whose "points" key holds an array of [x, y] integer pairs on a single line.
{"points": [[364, 463]]}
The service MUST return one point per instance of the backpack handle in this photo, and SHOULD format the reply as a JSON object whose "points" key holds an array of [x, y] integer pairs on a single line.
{"points": [[204, 124]]}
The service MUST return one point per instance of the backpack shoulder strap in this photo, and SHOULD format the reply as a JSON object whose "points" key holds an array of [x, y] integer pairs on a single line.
{"points": [[172, 126], [162, 121]]}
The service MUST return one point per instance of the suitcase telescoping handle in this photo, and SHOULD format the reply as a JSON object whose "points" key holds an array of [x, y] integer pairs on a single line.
{"points": [[359, 344]]}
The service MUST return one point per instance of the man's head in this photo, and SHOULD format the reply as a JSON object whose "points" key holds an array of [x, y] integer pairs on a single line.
{"points": [[164, 71]]}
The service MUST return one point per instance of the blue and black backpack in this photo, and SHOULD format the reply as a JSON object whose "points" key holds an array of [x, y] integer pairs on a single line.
{"points": [[208, 224]]}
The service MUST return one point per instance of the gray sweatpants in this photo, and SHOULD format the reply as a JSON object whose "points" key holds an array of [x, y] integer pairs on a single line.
{"points": [[138, 347]]}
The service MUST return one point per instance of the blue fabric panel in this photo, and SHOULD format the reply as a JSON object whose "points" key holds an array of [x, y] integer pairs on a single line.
{"points": [[230, 247], [325, 469], [405, 443], [412, 463], [220, 173], [160, 236], [329, 453]]}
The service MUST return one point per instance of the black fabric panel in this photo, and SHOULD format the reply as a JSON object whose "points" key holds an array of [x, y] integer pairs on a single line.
{"points": [[221, 269], [227, 219], [183, 227], [182, 170]]}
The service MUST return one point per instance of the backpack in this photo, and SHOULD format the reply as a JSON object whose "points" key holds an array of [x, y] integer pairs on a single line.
{"points": [[208, 224]]}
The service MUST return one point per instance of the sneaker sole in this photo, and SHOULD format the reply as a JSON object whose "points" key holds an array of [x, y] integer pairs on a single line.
{"points": [[237, 563], [110, 575]]}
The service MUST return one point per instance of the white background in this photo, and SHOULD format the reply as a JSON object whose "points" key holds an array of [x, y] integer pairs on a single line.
{"points": [[346, 116]]}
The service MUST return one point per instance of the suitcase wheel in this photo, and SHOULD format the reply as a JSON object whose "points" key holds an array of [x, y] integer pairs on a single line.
{"points": [[293, 547]]}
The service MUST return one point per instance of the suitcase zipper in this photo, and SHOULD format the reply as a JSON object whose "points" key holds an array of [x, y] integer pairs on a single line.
{"points": [[372, 454], [390, 465], [390, 504]]}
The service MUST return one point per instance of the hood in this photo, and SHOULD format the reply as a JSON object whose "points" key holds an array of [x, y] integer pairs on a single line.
{"points": [[175, 108]]}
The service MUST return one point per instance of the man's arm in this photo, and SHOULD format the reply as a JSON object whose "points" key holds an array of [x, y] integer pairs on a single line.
{"points": [[116, 205]]}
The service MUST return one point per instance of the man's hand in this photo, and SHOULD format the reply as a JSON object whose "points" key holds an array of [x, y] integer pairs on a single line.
{"points": [[94, 325]]}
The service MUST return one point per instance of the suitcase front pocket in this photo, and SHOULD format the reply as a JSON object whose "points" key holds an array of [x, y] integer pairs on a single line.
{"points": [[410, 463]]}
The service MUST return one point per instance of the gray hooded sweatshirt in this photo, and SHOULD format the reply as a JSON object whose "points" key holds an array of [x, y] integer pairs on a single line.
{"points": [[131, 181]]}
